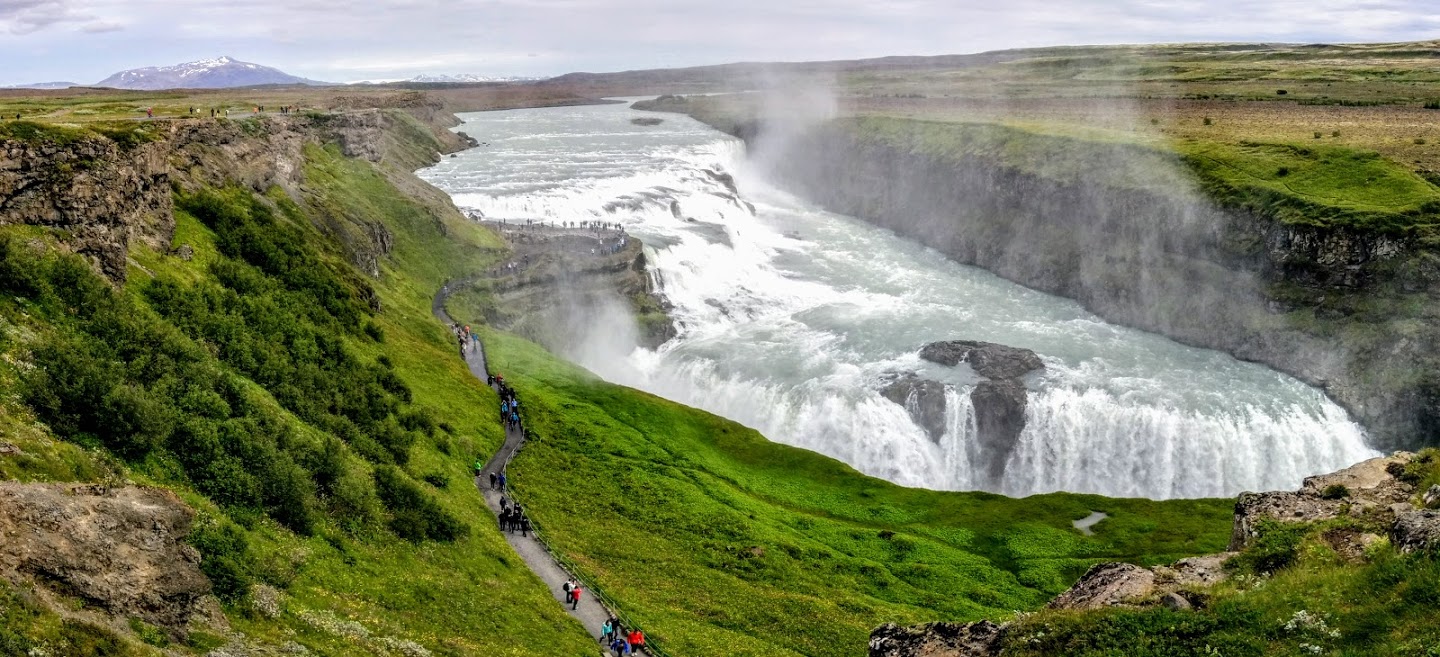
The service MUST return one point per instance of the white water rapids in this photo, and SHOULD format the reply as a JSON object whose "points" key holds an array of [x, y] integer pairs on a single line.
{"points": [[796, 336]]}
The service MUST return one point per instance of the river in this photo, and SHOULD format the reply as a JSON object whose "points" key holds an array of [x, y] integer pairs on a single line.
{"points": [[795, 337]]}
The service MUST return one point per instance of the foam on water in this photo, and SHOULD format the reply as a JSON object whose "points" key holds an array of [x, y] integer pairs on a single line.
{"points": [[795, 337]]}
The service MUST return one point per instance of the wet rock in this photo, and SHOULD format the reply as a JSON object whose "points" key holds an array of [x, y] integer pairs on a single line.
{"points": [[122, 549], [1371, 485], [979, 639], [1107, 585], [724, 179], [990, 360], [1416, 531], [923, 399], [999, 419]]}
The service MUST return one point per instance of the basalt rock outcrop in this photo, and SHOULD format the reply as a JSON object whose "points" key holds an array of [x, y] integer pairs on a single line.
{"points": [[999, 401], [990, 360], [120, 549], [923, 399], [1366, 488], [102, 194], [979, 639]]}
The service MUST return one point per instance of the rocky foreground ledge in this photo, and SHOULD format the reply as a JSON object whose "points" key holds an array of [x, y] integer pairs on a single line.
{"points": [[1379, 492]]}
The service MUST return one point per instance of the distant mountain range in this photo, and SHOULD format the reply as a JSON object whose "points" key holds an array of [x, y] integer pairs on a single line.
{"points": [[217, 73], [45, 85], [465, 78]]}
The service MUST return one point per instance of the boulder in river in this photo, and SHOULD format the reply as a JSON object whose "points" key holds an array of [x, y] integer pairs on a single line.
{"points": [[923, 399], [990, 360], [999, 419]]}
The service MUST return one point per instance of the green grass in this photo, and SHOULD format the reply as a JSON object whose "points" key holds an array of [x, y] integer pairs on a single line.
{"points": [[718, 541], [1317, 184]]}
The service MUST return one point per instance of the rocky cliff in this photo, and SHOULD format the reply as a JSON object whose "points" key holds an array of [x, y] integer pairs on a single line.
{"points": [[1347, 309], [101, 190], [120, 550]]}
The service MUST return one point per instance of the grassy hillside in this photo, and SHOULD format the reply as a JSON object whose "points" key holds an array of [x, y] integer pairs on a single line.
{"points": [[720, 542], [317, 419]]}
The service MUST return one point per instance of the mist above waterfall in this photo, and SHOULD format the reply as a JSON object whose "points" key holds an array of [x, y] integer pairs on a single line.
{"points": [[791, 319]]}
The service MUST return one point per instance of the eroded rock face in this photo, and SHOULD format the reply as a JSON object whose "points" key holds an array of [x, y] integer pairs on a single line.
{"points": [[1107, 585], [121, 549], [979, 639], [999, 419], [1416, 531], [923, 399], [1369, 487], [990, 360]]}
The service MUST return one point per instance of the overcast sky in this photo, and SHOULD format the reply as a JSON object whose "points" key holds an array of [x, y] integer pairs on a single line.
{"points": [[86, 40]]}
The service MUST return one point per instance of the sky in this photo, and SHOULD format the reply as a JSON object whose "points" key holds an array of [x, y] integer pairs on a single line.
{"points": [[86, 40]]}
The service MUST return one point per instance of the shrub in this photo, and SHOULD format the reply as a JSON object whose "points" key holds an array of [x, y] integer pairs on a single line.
{"points": [[1319, 134], [1276, 546], [225, 556], [1335, 492], [414, 515], [1419, 141], [1432, 104], [1281, 92], [1282, 172], [1335, 133], [1208, 121]]}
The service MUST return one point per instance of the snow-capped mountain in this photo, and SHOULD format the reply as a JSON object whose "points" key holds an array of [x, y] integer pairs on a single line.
{"points": [[213, 73], [466, 78]]}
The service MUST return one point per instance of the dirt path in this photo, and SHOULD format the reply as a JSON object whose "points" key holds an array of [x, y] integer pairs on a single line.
{"points": [[590, 612]]}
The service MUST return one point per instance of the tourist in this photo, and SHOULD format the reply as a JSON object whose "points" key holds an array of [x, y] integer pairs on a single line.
{"points": [[493, 480], [525, 526], [619, 646], [566, 587], [575, 596], [479, 465], [502, 480], [637, 639], [605, 631]]}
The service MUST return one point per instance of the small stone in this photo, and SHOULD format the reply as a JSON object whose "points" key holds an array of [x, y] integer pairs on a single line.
{"points": [[1175, 602], [1431, 499], [9, 449], [186, 252]]}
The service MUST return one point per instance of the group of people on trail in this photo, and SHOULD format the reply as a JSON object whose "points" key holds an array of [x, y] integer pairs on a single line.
{"points": [[513, 518], [620, 642], [573, 591]]}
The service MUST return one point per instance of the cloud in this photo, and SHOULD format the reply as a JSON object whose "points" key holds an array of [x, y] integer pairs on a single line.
{"points": [[26, 16], [320, 39], [100, 27]]}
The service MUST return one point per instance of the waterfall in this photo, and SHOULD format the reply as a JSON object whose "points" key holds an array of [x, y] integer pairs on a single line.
{"points": [[791, 319]]}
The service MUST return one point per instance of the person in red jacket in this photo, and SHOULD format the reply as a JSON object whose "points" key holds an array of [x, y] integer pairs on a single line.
{"points": [[637, 638], [575, 596]]}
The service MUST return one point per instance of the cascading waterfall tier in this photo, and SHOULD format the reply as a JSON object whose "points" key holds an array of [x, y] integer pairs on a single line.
{"points": [[791, 319]]}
